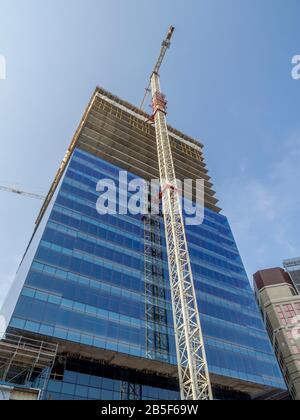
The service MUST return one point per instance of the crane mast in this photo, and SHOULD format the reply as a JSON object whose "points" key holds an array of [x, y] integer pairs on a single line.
{"points": [[192, 364]]}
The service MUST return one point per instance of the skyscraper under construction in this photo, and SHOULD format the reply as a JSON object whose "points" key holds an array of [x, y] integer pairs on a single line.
{"points": [[98, 285]]}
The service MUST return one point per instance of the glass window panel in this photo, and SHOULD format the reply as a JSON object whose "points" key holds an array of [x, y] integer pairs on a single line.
{"points": [[81, 391], [68, 388]]}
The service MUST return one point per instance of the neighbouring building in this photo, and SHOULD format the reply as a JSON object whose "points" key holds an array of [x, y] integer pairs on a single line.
{"points": [[280, 306], [98, 286], [292, 266]]}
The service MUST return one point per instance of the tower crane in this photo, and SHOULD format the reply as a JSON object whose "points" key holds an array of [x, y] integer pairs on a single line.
{"points": [[194, 380], [20, 192], [193, 372]]}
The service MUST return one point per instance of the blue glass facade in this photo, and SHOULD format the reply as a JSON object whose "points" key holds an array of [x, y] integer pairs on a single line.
{"points": [[86, 285], [82, 386]]}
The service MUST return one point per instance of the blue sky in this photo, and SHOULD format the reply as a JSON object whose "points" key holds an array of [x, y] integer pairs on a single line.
{"points": [[228, 82]]}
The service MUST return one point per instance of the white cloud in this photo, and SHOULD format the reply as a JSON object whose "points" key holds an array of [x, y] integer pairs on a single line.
{"points": [[264, 212]]}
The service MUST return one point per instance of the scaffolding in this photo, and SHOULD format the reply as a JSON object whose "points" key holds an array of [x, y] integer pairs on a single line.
{"points": [[130, 391], [157, 341], [26, 362]]}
